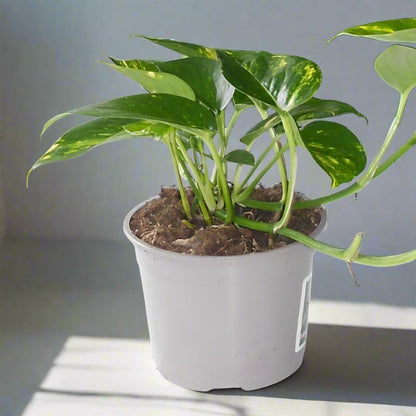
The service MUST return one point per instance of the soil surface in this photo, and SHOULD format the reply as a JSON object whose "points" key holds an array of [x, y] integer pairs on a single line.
{"points": [[160, 222]]}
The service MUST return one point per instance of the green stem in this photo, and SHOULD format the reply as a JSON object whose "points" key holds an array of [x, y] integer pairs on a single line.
{"points": [[222, 180], [221, 132], [174, 157], [281, 162], [204, 187], [198, 195], [395, 156], [194, 153], [293, 136], [231, 123], [228, 129], [342, 254], [222, 146], [368, 175], [203, 160], [372, 170], [249, 190], [257, 164], [308, 203], [237, 184]]}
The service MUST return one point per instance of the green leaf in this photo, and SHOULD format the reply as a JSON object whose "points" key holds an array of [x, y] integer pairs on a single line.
{"points": [[201, 75], [176, 111], [313, 109], [241, 101], [397, 30], [277, 80], [318, 108], [185, 48], [205, 78], [244, 81], [157, 82], [135, 64], [145, 128], [336, 150], [242, 157], [397, 67], [289, 80], [82, 138], [261, 128]]}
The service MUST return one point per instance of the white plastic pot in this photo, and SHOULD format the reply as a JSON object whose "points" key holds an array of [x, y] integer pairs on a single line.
{"points": [[231, 321]]}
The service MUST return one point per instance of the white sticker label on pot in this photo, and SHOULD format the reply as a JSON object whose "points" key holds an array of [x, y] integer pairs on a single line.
{"points": [[305, 298]]}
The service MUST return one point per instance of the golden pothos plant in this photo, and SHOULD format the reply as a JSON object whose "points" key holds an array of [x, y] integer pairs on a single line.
{"points": [[193, 102]]}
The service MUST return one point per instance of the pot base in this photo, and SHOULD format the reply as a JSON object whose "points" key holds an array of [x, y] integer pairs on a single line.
{"points": [[251, 382]]}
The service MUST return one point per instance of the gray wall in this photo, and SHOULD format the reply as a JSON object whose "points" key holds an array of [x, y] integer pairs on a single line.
{"points": [[49, 64]]}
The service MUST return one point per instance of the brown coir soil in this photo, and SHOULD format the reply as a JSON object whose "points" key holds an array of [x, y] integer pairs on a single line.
{"points": [[160, 223]]}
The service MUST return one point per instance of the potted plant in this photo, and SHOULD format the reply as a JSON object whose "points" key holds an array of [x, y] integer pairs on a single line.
{"points": [[226, 264]]}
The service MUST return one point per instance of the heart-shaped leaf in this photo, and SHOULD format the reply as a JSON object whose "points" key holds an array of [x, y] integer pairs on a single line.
{"points": [[336, 150], [290, 80], [313, 109], [318, 108], [242, 157], [397, 67], [205, 77], [173, 110], [397, 30], [243, 80], [157, 82], [201, 75], [277, 80], [82, 138]]}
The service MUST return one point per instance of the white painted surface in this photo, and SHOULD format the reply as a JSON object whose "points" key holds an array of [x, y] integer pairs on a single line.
{"points": [[103, 377]]}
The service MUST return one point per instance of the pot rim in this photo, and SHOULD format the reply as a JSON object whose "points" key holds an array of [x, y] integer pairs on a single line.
{"points": [[196, 257]]}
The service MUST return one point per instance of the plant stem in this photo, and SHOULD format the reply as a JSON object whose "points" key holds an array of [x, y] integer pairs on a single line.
{"points": [[248, 191], [237, 174], [347, 255], [205, 188], [368, 175], [281, 161], [222, 145], [231, 123], [395, 156], [203, 160], [237, 184], [257, 164], [352, 189], [292, 133], [308, 203], [194, 153], [221, 132], [371, 171], [174, 157], [198, 195], [222, 180]]}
